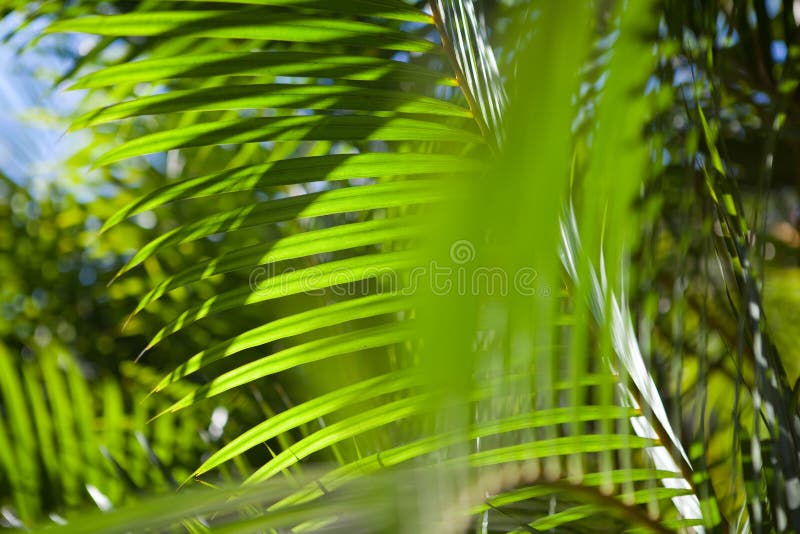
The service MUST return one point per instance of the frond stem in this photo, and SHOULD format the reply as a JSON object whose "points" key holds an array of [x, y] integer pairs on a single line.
{"points": [[460, 76]]}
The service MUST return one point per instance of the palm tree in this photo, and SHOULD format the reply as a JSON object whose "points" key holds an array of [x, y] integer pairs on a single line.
{"points": [[420, 245]]}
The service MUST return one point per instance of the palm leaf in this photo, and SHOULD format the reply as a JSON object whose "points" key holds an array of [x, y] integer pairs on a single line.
{"points": [[64, 444], [448, 402]]}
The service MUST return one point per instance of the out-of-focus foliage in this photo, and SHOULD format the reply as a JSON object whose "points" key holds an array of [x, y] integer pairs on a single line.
{"points": [[76, 407], [732, 65]]}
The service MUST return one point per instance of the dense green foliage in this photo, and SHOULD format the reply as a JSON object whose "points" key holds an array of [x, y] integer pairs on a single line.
{"points": [[383, 265]]}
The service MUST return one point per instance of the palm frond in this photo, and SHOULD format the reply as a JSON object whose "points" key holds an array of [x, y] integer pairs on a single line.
{"points": [[67, 440], [320, 156]]}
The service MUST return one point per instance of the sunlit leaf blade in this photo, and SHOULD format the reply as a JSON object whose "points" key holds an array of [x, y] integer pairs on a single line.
{"points": [[299, 170], [316, 128], [277, 63], [389, 9], [244, 24], [379, 336], [398, 410], [419, 448], [262, 96], [311, 279], [559, 447], [384, 414], [297, 246], [292, 325], [308, 411], [575, 513], [366, 197], [591, 479]]}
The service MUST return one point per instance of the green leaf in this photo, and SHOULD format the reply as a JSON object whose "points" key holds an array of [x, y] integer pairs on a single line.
{"points": [[535, 449], [306, 280], [353, 426], [273, 63], [162, 514], [64, 424], [357, 198], [367, 338], [308, 411], [618, 476], [19, 458], [291, 325], [298, 128], [264, 96], [394, 411], [329, 167], [575, 513], [326, 240], [388, 9], [244, 24]]}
